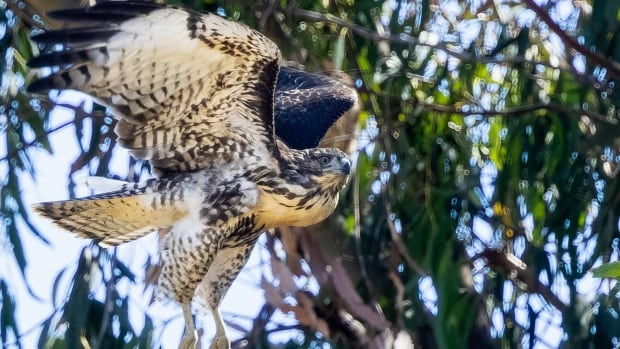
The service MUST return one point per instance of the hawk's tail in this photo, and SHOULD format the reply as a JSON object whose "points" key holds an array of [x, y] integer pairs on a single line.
{"points": [[127, 213]]}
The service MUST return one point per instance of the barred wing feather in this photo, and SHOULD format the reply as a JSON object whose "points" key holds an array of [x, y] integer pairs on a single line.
{"points": [[190, 90]]}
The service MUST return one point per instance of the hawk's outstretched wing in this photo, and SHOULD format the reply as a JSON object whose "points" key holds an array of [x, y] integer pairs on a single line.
{"points": [[190, 90], [306, 105]]}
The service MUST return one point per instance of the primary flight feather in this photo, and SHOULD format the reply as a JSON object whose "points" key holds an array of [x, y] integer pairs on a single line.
{"points": [[194, 94]]}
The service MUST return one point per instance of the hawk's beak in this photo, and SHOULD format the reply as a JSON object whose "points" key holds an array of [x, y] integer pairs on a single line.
{"points": [[346, 166]]}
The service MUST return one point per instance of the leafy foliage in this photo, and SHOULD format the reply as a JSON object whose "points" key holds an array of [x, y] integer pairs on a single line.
{"points": [[23, 124], [486, 185]]}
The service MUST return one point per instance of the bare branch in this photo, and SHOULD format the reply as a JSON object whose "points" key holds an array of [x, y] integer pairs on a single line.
{"points": [[405, 39], [26, 12], [400, 245], [513, 268], [400, 297], [409, 40], [513, 111], [358, 231], [613, 68], [37, 140], [108, 307]]}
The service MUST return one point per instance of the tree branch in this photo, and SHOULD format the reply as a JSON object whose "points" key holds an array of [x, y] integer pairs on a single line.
{"points": [[108, 308], [358, 232], [613, 68], [405, 39], [399, 243], [26, 13], [508, 264], [513, 111], [34, 142]]}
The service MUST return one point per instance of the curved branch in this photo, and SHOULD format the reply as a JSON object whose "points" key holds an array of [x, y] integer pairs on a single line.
{"points": [[513, 268], [613, 68], [518, 110], [405, 39], [79, 112], [408, 40], [398, 242]]}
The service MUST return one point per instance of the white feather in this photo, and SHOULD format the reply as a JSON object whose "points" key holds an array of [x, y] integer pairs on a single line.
{"points": [[101, 184]]}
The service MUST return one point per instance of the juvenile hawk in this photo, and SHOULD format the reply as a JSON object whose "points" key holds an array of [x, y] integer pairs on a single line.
{"points": [[194, 94]]}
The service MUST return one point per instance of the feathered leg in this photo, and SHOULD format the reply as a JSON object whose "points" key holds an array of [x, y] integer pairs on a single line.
{"points": [[224, 269], [186, 259]]}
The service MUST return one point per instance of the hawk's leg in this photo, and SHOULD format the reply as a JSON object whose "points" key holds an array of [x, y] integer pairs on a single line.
{"points": [[224, 269], [220, 341], [186, 260], [189, 337]]}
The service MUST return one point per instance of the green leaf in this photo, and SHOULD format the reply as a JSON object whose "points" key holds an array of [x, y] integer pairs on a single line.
{"points": [[8, 324], [609, 270]]}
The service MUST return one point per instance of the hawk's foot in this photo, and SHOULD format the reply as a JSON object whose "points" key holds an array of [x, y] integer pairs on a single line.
{"points": [[188, 341], [220, 342], [190, 337]]}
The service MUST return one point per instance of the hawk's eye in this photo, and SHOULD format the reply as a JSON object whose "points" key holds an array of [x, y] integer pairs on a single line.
{"points": [[325, 160]]}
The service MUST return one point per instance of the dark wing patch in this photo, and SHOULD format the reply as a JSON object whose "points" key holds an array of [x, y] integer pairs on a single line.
{"points": [[307, 105], [190, 90], [107, 11]]}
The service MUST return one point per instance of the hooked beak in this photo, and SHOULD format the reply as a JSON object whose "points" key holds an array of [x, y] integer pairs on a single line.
{"points": [[346, 165]]}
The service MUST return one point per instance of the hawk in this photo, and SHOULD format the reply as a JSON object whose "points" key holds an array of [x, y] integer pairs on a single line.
{"points": [[196, 94]]}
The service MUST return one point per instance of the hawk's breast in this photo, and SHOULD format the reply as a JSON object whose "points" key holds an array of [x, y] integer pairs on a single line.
{"points": [[295, 206]]}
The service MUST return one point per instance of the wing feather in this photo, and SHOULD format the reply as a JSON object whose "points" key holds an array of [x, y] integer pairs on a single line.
{"points": [[307, 104], [129, 211], [190, 90], [107, 11]]}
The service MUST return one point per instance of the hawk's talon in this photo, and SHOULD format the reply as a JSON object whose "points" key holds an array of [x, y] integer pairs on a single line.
{"points": [[220, 342], [190, 337], [189, 340]]}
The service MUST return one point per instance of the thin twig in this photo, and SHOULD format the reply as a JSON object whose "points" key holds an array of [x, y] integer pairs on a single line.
{"points": [[399, 243], [358, 231], [396, 237], [517, 110], [108, 307], [613, 68], [38, 138], [508, 265], [34, 142], [405, 39], [400, 297]]}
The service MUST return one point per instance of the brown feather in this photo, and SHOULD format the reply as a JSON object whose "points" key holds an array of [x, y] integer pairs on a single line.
{"points": [[111, 221]]}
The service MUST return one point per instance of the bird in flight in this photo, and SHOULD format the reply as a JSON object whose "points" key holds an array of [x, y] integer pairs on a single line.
{"points": [[196, 95]]}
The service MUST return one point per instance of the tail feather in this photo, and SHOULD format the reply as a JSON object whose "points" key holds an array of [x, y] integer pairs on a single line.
{"points": [[115, 217]]}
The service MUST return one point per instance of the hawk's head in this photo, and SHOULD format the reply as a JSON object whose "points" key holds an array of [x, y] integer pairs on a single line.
{"points": [[308, 185], [324, 168], [306, 190]]}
